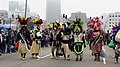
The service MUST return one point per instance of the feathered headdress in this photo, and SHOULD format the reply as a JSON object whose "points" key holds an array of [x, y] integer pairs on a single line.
{"points": [[95, 23], [37, 21], [57, 24], [23, 21], [116, 27], [76, 25]]}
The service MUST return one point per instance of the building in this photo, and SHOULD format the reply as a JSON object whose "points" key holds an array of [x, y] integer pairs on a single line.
{"points": [[17, 8], [3, 16], [79, 15], [13, 5], [113, 19], [53, 10]]}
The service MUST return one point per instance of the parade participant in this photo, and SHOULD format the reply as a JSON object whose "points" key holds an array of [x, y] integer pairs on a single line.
{"points": [[76, 27], [1, 42], [50, 34], [56, 40], [23, 37], [36, 48], [116, 41], [36, 44], [107, 37], [90, 35], [65, 41], [52, 40], [59, 45], [96, 45]]}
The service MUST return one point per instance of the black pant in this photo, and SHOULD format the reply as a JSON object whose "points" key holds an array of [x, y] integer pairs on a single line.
{"points": [[2, 47]]}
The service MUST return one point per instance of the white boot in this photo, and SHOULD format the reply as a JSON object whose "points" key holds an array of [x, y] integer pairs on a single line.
{"points": [[104, 60], [38, 57]]}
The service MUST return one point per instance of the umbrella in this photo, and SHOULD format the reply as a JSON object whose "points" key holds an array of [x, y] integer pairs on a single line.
{"points": [[4, 27]]}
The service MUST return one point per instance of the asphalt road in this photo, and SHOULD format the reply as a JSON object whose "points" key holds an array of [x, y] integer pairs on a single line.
{"points": [[14, 60]]}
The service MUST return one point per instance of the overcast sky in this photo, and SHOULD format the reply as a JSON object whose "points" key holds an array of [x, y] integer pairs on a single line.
{"points": [[91, 7]]}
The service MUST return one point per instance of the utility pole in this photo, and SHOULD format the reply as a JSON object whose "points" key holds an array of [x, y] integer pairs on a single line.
{"points": [[10, 22], [25, 8]]}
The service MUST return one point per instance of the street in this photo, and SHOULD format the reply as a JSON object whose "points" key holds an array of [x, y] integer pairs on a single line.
{"points": [[14, 60]]}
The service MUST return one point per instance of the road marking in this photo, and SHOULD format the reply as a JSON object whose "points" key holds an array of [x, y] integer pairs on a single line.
{"points": [[46, 56]]}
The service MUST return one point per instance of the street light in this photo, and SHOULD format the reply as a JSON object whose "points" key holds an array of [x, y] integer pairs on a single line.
{"points": [[25, 8]]}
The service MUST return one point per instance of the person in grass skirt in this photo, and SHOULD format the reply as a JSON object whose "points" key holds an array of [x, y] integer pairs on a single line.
{"points": [[55, 40], [65, 41], [23, 37], [36, 44], [36, 48]]}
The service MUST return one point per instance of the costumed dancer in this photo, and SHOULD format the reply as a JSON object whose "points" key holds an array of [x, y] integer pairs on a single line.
{"points": [[56, 40], [36, 39], [65, 41], [52, 40], [23, 37], [116, 41], [97, 34], [90, 35], [76, 27]]}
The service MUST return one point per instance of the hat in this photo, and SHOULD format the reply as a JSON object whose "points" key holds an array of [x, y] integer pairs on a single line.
{"points": [[50, 25], [57, 21], [23, 21], [37, 21]]}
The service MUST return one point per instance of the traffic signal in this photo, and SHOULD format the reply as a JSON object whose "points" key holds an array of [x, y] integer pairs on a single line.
{"points": [[102, 17], [90, 17], [0, 20], [63, 15], [12, 15], [18, 16], [66, 17]]}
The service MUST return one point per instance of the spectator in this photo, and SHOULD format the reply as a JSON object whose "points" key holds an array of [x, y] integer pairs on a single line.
{"points": [[43, 39], [107, 37], [10, 41], [2, 42]]}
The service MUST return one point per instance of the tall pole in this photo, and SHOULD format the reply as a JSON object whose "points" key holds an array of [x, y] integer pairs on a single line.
{"points": [[25, 8], [10, 22]]}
